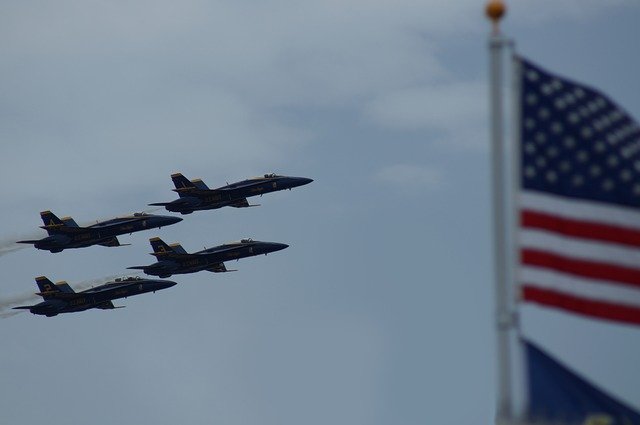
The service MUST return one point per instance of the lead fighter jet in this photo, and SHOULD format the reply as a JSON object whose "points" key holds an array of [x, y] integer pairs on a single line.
{"points": [[65, 233], [173, 259], [195, 195], [60, 298]]}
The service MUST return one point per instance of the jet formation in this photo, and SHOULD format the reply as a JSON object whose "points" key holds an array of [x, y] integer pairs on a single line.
{"points": [[65, 233], [173, 259], [195, 195], [61, 298]]}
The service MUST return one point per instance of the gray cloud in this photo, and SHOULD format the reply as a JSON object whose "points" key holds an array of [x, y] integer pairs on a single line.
{"points": [[81, 103], [410, 177], [457, 111]]}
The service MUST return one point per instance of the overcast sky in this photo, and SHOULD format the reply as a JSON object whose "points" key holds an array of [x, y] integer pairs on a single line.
{"points": [[380, 311]]}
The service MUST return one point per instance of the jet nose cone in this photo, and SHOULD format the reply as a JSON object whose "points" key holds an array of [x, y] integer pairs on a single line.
{"points": [[279, 246], [173, 220], [303, 180], [166, 284], [166, 220]]}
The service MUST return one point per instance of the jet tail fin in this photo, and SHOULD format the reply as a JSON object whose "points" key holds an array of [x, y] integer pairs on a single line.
{"points": [[51, 222], [47, 288], [198, 183], [64, 287], [182, 184], [159, 246], [177, 248], [68, 221]]}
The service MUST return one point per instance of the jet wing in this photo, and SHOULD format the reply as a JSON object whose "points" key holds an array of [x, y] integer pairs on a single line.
{"points": [[180, 202], [111, 242], [64, 229], [107, 305], [219, 268], [60, 295], [243, 203]]}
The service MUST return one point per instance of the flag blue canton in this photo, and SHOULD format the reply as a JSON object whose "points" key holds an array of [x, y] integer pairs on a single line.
{"points": [[576, 142]]}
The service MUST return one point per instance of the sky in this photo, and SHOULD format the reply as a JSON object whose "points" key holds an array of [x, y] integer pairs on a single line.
{"points": [[381, 309]]}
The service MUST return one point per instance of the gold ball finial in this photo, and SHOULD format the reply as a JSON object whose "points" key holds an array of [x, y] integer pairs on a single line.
{"points": [[495, 10]]}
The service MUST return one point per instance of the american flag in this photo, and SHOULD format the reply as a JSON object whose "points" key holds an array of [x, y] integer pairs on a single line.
{"points": [[578, 200]]}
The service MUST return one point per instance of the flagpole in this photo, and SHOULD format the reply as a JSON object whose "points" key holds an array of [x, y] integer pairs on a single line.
{"points": [[495, 10]]}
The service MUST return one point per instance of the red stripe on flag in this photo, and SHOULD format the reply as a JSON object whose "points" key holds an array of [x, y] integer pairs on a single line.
{"points": [[588, 307], [579, 267], [580, 228]]}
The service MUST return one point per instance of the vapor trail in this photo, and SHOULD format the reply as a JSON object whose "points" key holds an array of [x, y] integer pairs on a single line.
{"points": [[6, 303], [8, 247], [8, 243]]}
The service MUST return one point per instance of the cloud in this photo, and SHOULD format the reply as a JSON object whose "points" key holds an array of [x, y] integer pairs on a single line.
{"points": [[408, 177], [109, 92], [456, 112]]}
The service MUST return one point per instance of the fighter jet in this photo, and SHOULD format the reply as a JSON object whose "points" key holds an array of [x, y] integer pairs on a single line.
{"points": [[195, 195], [65, 233], [173, 259], [60, 298]]}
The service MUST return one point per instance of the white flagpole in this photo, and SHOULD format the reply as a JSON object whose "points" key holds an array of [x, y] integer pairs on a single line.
{"points": [[521, 396], [495, 10]]}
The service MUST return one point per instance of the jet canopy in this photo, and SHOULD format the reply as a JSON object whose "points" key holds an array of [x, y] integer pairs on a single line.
{"points": [[128, 279], [265, 176], [241, 241]]}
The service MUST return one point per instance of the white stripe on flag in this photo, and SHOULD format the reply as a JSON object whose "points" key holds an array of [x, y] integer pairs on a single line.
{"points": [[600, 290], [584, 249], [579, 209]]}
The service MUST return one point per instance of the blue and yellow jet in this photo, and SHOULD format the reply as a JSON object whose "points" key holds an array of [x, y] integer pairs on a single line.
{"points": [[173, 259], [195, 195], [65, 233], [61, 298]]}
